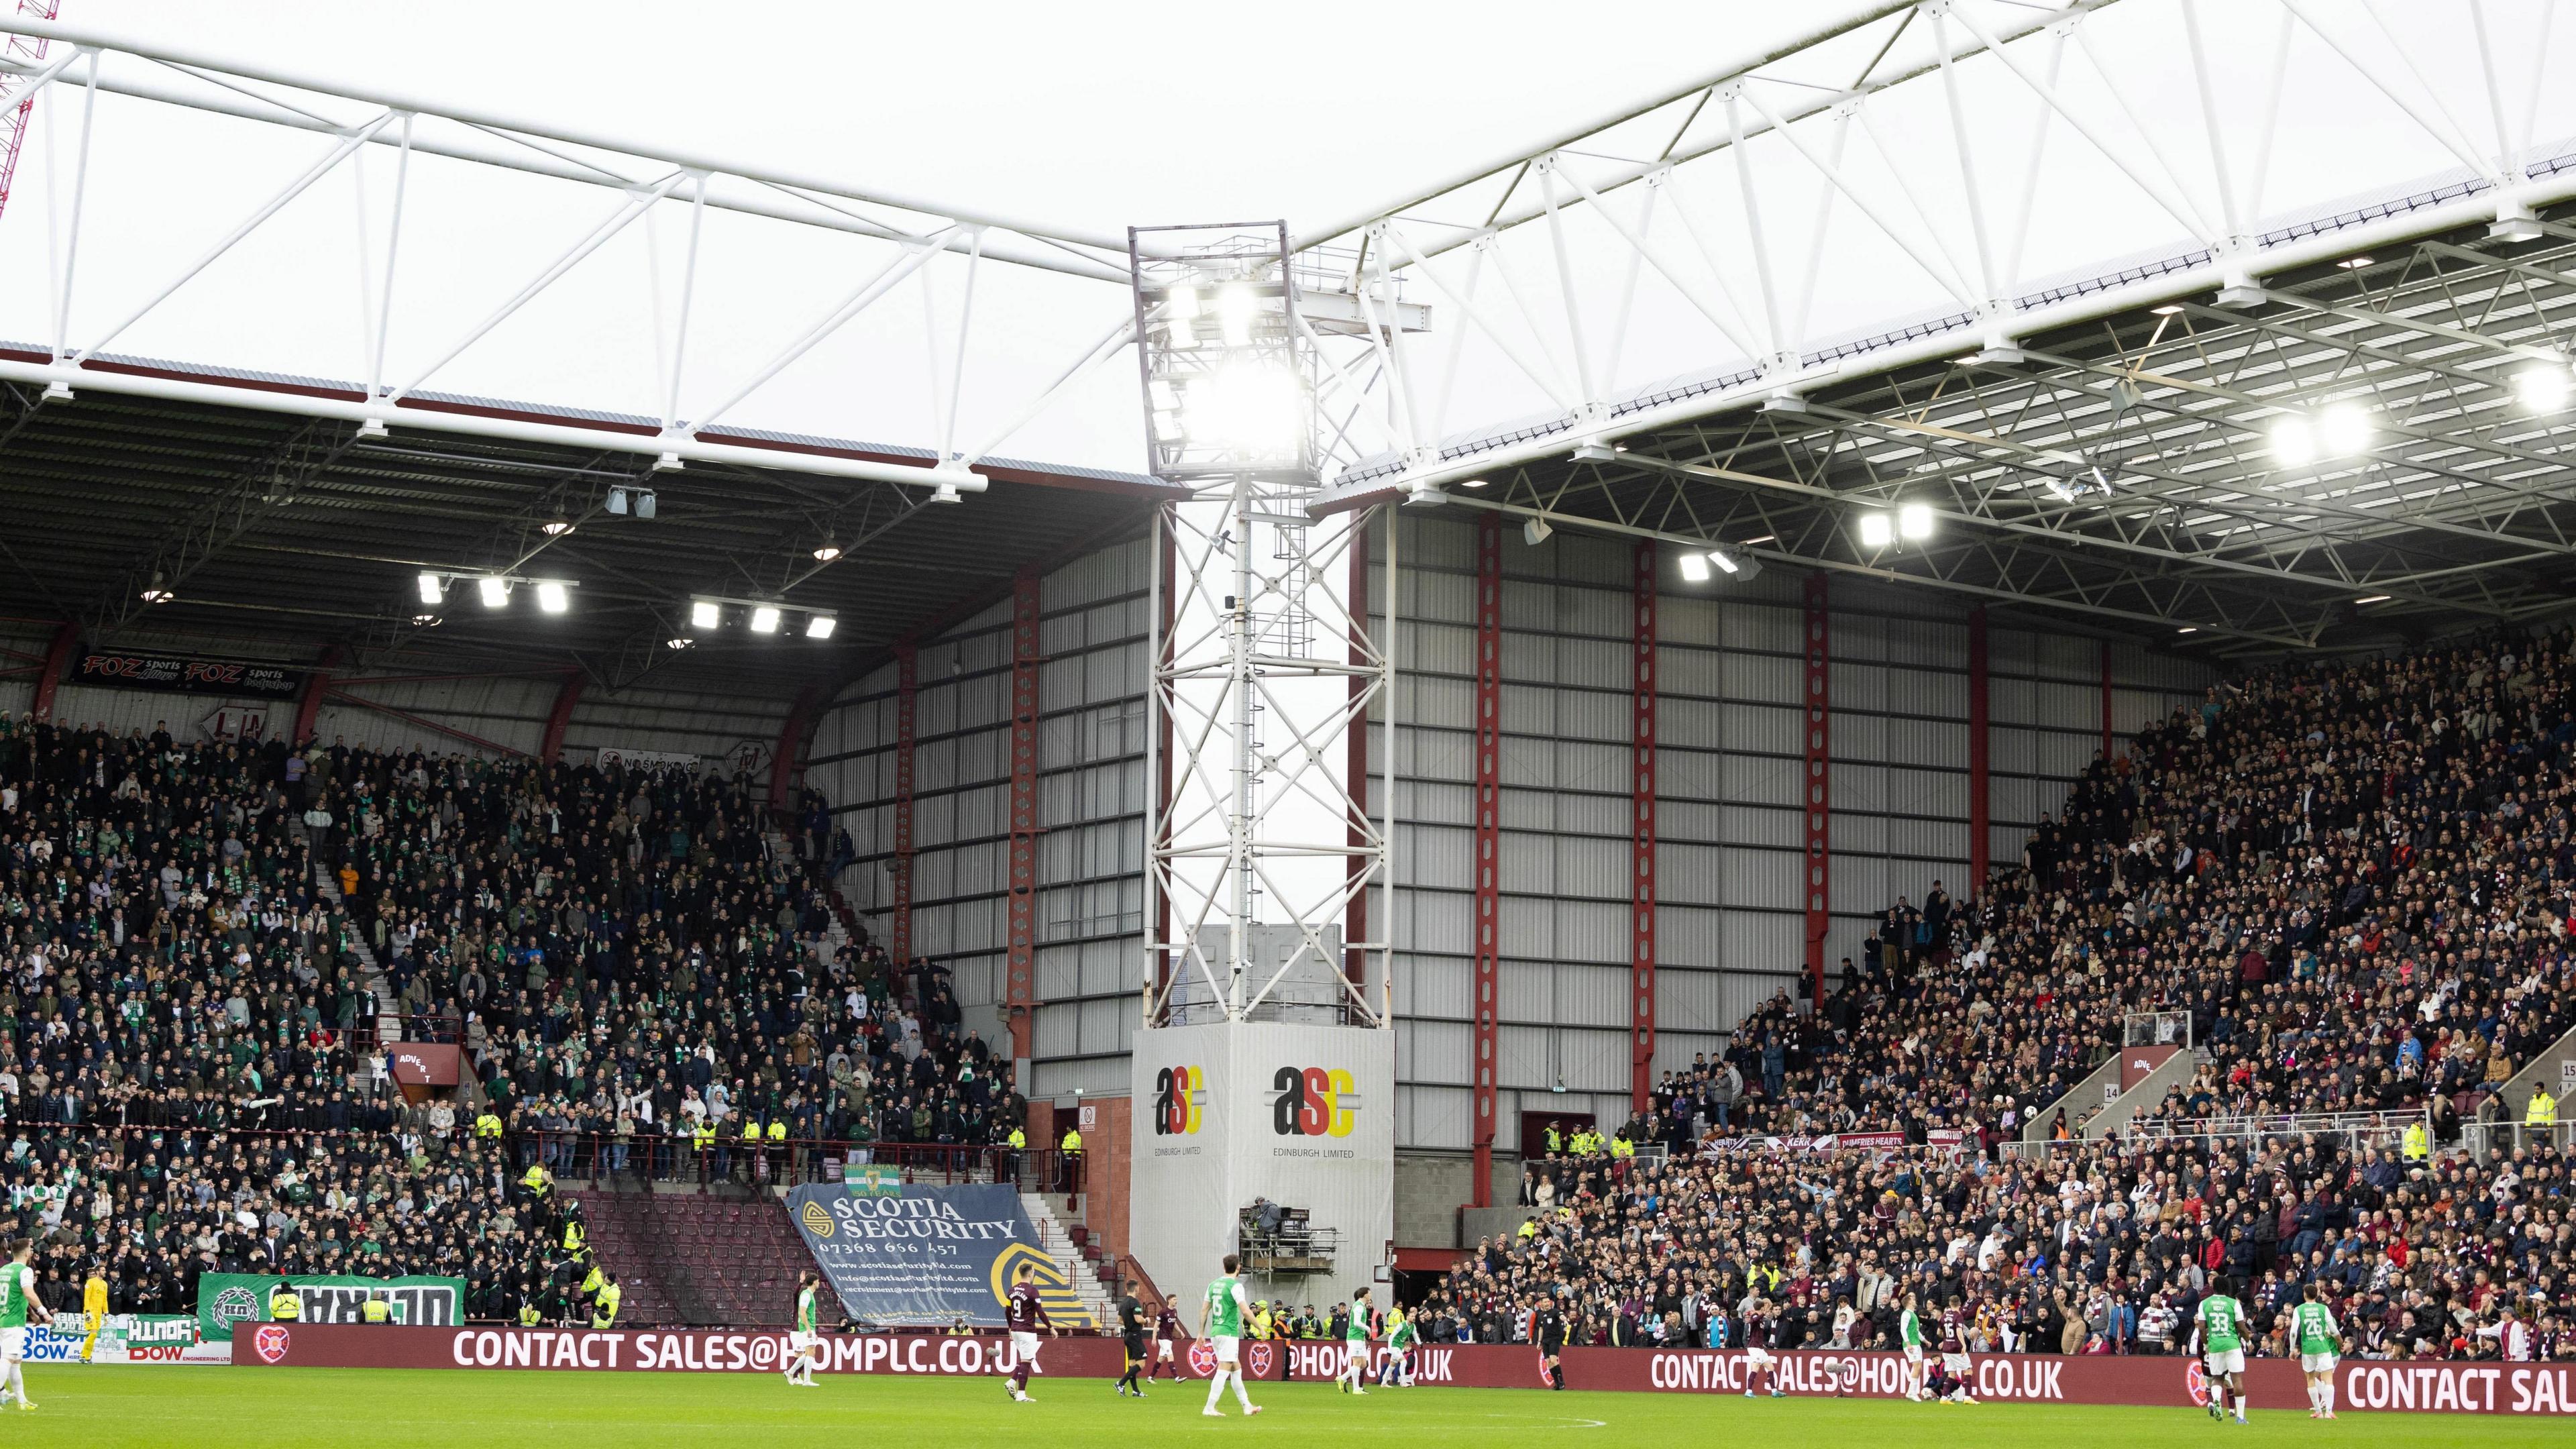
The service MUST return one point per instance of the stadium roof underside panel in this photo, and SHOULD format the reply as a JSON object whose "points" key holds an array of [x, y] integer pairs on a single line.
{"points": [[2169, 465], [292, 533]]}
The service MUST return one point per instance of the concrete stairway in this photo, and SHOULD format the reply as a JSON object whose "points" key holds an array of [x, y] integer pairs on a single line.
{"points": [[1070, 1258], [710, 1260], [326, 886]]}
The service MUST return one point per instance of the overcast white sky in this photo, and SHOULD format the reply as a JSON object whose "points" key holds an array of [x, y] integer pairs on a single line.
{"points": [[1092, 117]]}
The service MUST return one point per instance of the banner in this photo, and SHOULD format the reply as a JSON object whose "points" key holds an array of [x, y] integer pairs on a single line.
{"points": [[304, 1345], [226, 1299], [123, 1338], [1830, 1142], [610, 756], [186, 674], [925, 1253], [2159, 1382]]}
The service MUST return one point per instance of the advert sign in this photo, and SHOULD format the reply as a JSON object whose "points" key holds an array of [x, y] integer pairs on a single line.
{"points": [[900, 1252], [2468, 1387], [186, 674]]}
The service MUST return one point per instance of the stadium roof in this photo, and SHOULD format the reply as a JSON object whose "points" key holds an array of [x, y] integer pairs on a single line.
{"points": [[294, 534], [2115, 456]]}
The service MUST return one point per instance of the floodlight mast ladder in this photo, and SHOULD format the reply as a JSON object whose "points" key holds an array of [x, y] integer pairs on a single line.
{"points": [[20, 113], [1260, 849]]}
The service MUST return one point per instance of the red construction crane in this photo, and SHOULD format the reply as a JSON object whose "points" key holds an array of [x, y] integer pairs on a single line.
{"points": [[26, 49]]}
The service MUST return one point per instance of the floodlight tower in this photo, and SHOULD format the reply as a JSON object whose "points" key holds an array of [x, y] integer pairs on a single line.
{"points": [[1263, 666], [1264, 1064]]}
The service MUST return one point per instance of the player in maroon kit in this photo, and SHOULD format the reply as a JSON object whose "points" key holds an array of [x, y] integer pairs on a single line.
{"points": [[1167, 1336], [1954, 1354], [1025, 1314], [1761, 1335]]}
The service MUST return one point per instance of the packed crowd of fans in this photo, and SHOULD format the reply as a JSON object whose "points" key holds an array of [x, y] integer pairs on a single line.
{"points": [[2355, 880], [639, 967]]}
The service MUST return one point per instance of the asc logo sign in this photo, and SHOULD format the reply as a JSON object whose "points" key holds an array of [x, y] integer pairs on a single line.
{"points": [[1180, 1101], [1314, 1102]]}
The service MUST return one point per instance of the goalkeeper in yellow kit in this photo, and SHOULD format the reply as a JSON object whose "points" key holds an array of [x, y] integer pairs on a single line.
{"points": [[93, 1310]]}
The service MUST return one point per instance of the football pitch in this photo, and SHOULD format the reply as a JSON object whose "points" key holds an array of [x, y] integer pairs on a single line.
{"points": [[98, 1406]]}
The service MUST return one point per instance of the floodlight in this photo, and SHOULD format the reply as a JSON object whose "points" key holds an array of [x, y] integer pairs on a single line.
{"points": [[764, 620], [495, 591], [820, 626], [1235, 309], [705, 614], [2541, 389], [1535, 532], [555, 527], [678, 641], [1694, 567], [1247, 408], [552, 597], [1914, 520], [827, 553], [1875, 530], [1179, 310], [2294, 443], [1727, 564], [2344, 430], [431, 590]]}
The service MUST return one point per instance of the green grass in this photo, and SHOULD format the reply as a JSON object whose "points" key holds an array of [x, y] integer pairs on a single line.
{"points": [[97, 1406]]}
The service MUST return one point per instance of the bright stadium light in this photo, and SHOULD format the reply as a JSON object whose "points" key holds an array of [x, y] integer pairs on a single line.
{"points": [[764, 620], [2344, 430], [705, 614], [1180, 309], [431, 590], [495, 591], [2541, 389], [1876, 530], [2294, 443], [1725, 561], [1236, 306], [1248, 408], [553, 597], [820, 626], [1914, 521], [1694, 567]]}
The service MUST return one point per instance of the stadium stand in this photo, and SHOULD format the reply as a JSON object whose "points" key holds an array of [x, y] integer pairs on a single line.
{"points": [[645, 975], [2354, 878]]}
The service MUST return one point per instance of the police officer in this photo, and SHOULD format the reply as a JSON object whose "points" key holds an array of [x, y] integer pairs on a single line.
{"points": [[283, 1304], [1014, 1142]]}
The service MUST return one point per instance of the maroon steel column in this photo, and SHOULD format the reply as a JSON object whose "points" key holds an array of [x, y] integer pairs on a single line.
{"points": [[907, 698], [568, 694], [308, 710], [1980, 780], [1355, 767], [1819, 811], [1641, 826], [1021, 992], [1489, 832], [2106, 700], [58, 654]]}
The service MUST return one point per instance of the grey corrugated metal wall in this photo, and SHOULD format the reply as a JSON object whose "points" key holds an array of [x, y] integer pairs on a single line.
{"points": [[1091, 773], [1727, 863], [1728, 921]]}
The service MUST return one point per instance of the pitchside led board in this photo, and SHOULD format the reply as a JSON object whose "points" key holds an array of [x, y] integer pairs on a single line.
{"points": [[1226, 1113]]}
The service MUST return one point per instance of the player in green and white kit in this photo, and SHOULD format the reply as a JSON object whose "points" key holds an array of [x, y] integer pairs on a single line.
{"points": [[807, 1336], [2320, 1343], [1221, 1315], [1398, 1372], [2218, 1332], [1355, 1346], [1909, 1330], [18, 1301]]}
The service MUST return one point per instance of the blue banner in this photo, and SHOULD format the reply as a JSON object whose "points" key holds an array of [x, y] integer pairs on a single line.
{"points": [[923, 1254]]}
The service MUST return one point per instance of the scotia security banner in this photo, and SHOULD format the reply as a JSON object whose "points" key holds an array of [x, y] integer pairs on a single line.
{"points": [[924, 1254]]}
